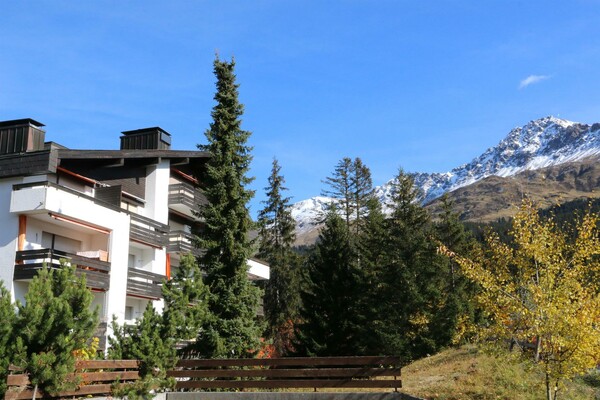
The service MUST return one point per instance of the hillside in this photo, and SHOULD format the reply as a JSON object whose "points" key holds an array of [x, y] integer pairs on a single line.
{"points": [[495, 196], [467, 373]]}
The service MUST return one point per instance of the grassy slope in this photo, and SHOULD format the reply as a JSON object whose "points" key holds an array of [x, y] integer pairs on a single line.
{"points": [[467, 373]]}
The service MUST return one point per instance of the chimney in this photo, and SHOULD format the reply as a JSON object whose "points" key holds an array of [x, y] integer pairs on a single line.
{"points": [[146, 139], [21, 135]]}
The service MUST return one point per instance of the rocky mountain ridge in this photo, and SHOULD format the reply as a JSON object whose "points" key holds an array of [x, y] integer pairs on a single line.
{"points": [[540, 144]]}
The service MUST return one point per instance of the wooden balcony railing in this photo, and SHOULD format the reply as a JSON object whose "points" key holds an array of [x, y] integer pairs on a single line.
{"points": [[144, 283], [146, 230], [182, 242], [185, 194], [29, 262]]}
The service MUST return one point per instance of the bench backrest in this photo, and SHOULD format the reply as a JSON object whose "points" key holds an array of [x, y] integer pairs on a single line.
{"points": [[96, 377], [291, 372]]}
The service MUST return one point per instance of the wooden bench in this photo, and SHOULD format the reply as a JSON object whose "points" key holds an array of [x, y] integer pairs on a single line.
{"points": [[94, 377], [279, 373]]}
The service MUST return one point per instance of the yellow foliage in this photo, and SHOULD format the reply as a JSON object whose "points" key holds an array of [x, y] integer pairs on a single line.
{"points": [[542, 292], [90, 352]]}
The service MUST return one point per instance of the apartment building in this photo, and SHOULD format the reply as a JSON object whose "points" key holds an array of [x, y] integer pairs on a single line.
{"points": [[124, 217]]}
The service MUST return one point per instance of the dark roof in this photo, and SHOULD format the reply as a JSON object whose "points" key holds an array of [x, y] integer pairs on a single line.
{"points": [[150, 153], [144, 130], [23, 121], [118, 164]]}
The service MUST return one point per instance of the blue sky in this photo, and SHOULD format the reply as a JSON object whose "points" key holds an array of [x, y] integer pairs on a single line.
{"points": [[423, 85]]}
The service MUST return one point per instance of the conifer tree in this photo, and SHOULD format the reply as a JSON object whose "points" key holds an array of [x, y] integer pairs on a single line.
{"points": [[410, 284], [276, 236], [185, 297], [7, 316], [456, 318], [55, 321], [233, 329], [144, 341], [362, 195], [372, 251], [340, 188], [331, 324], [351, 186]]}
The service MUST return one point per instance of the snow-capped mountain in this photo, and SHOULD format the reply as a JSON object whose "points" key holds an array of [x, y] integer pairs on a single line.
{"points": [[539, 144], [307, 213]]}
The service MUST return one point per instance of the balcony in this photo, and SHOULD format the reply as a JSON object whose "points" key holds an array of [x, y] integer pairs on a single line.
{"points": [[42, 198], [182, 242], [185, 198], [148, 231], [144, 284], [29, 262]]}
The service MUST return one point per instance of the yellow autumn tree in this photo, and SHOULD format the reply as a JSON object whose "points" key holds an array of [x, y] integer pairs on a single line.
{"points": [[542, 293]]}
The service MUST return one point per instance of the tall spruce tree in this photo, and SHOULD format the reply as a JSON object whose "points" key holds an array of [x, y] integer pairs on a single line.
{"points": [[55, 320], [410, 284], [362, 195], [233, 329], [276, 238], [458, 313], [351, 187], [331, 322], [340, 188]]}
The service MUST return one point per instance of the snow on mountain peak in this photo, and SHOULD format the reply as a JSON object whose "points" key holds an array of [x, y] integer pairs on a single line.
{"points": [[538, 144]]}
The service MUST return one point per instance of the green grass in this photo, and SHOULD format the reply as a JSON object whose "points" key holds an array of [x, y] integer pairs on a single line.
{"points": [[468, 373]]}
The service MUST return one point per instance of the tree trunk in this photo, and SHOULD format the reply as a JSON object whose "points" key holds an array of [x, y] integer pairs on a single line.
{"points": [[548, 388], [34, 391], [538, 346]]}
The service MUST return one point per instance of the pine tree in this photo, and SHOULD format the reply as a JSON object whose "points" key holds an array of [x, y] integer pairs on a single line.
{"points": [[351, 186], [276, 238], [331, 324], [233, 329], [372, 250], [185, 297], [7, 316], [362, 195], [410, 287], [145, 341], [55, 321], [458, 311], [341, 189]]}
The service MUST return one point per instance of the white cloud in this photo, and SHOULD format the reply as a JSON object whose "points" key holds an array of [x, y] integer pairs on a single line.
{"points": [[531, 79]]}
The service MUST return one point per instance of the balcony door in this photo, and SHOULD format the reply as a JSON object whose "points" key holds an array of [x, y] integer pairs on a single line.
{"points": [[61, 243]]}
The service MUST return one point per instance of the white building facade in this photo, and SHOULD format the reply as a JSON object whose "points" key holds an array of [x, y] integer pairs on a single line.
{"points": [[124, 217]]}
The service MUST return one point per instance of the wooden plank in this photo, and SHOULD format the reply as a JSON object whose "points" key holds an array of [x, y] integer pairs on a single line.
{"points": [[15, 395], [291, 361], [113, 364], [23, 379], [287, 373], [83, 390], [17, 380], [88, 389], [280, 384], [108, 376]]}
